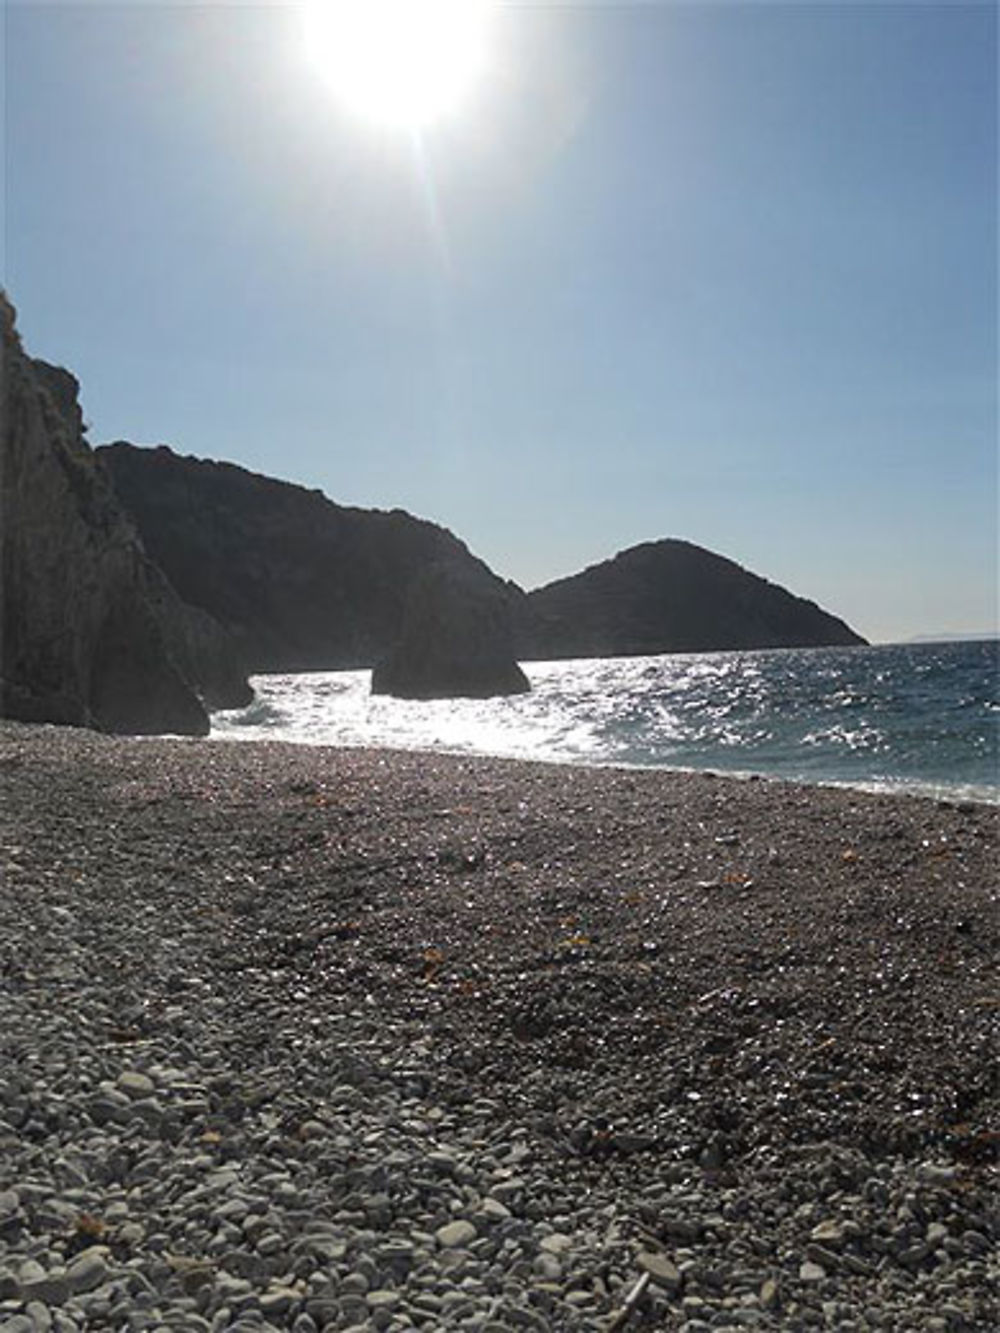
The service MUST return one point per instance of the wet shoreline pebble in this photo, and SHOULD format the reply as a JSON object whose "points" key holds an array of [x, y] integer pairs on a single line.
{"points": [[330, 1040]]}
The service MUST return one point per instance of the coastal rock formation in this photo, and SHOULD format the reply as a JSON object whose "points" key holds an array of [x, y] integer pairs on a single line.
{"points": [[456, 639], [305, 584], [91, 634], [670, 597]]}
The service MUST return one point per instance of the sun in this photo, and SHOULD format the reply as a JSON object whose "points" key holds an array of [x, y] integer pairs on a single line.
{"points": [[399, 63]]}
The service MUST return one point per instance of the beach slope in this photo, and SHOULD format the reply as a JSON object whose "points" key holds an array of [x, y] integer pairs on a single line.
{"points": [[304, 1038]]}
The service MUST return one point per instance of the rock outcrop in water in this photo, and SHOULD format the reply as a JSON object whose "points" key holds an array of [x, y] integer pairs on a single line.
{"points": [[670, 597], [305, 584], [91, 633], [456, 639]]}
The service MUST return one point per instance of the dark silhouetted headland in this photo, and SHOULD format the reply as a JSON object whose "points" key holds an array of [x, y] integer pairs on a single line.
{"points": [[673, 597], [140, 587], [307, 584]]}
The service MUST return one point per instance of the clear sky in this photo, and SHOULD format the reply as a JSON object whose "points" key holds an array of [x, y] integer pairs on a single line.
{"points": [[725, 272]]}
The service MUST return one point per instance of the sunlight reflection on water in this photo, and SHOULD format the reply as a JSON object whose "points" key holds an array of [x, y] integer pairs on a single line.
{"points": [[922, 717]]}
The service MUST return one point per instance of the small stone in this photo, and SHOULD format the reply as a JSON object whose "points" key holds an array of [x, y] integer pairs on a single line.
{"points": [[505, 1189], [310, 1130], [135, 1084], [494, 1209], [9, 1206], [819, 1254], [193, 1273], [277, 1301], [830, 1232], [769, 1294], [353, 1308], [547, 1266], [683, 1229], [47, 1288], [713, 1156], [522, 1317], [454, 1235], [89, 1269], [975, 1242], [399, 1253], [18, 1323], [914, 1255], [105, 1109], [630, 1143], [382, 1299], [355, 1282], [130, 1234], [661, 1269], [31, 1271], [936, 1173], [811, 1272], [326, 1247], [442, 1162]]}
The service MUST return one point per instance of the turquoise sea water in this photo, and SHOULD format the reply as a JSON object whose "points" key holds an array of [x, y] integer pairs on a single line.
{"points": [[912, 717]]}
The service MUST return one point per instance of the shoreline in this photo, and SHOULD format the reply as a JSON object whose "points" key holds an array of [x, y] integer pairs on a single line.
{"points": [[790, 720], [950, 794], [734, 1034]]}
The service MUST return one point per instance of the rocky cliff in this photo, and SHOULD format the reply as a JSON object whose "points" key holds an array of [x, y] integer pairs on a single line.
{"points": [[303, 583], [91, 633], [670, 597], [307, 584]]}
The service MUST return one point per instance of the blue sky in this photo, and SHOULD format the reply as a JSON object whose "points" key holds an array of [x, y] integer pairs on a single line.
{"points": [[718, 271]]}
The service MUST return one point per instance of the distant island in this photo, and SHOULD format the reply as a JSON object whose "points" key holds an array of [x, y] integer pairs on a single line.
{"points": [[142, 588]]}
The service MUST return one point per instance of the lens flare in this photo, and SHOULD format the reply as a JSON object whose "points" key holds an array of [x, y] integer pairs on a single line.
{"points": [[399, 63]]}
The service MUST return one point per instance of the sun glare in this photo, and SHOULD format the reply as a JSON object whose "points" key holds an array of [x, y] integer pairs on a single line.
{"points": [[400, 63]]}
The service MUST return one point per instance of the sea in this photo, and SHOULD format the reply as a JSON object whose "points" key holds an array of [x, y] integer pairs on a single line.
{"points": [[920, 718]]}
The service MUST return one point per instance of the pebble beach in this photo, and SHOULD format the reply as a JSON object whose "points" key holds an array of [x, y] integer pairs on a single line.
{"points": [[330, 1039]]}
